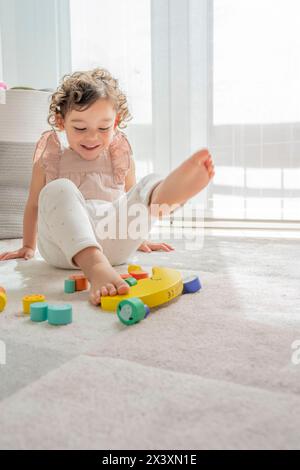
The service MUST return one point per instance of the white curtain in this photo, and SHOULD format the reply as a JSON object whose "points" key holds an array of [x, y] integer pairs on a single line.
{"points": [[222, 73], [2, 92], [157, 49], [217, 73], [254, 108], [1, 66], [117, 36]]}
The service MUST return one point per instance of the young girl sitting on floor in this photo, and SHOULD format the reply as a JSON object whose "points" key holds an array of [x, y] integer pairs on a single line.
{"points": [[85, 165]]}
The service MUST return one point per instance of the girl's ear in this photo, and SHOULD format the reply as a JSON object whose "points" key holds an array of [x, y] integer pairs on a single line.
{"points": [[117, 120], [59, 122]]}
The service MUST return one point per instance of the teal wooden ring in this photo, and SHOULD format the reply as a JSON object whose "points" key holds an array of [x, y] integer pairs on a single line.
{"points": [[60, 314], [131, 311], [39, 311]]}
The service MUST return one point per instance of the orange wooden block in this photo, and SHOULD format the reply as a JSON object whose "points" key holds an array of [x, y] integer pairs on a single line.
{"points": [[4, 291], [139, 274], [81, 282], [125, 276]]}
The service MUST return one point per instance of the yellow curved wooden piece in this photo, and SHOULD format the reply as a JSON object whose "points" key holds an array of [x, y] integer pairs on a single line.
{"points": [[164, 285], [3, 301]]}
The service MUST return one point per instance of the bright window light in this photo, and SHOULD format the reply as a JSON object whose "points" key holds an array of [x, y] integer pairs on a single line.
{"points": [[117, 36], [263, 178], [256, 66]]}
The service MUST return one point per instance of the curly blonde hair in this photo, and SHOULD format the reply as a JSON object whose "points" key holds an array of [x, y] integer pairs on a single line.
{"points": [[80, 90]]}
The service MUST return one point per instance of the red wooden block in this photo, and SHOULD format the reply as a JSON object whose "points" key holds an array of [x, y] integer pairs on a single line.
{"points": [[139, 274]]}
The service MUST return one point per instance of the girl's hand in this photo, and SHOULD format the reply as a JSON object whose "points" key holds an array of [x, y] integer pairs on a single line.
{"points": [[147, 247], [24, 252]]}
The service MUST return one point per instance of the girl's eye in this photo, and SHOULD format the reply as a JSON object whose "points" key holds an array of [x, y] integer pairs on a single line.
{"points": [[84, 129]]}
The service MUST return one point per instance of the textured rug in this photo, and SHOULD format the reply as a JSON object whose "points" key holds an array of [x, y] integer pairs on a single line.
{"points": [[209, 370]]}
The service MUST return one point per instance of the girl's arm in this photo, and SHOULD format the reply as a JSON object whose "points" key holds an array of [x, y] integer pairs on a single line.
{"points": [[130, 179], [38, 181]]}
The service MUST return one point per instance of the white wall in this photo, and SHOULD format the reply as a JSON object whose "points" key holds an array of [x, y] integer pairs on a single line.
{"points": [[1, 69], [35, 52], [2, 92]]}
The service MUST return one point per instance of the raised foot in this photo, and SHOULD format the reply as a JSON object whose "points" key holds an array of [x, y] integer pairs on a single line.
{"points": [[185, 181]]}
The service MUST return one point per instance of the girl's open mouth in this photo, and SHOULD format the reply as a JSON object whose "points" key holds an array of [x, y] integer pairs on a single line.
{"points": [[90, 148]]}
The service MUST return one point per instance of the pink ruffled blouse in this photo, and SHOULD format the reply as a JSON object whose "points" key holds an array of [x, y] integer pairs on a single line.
{"points": [[102, 178]]}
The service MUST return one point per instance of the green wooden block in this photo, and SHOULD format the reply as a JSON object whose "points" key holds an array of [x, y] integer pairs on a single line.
{"points": [[131, 281], [70, 286], [131, 311]]}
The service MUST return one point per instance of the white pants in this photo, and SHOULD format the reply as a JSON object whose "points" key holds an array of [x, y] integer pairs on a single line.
{"points": [[67, 223]]}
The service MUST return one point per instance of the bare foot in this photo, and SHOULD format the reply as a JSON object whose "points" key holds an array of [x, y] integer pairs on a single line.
{"points": [[102, 276], [185, 181], [105, 281]]}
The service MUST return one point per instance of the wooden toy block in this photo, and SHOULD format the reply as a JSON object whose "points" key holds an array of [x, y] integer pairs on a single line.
{"points": [[125, 276], [191, 284], [59, 314], [81, 282], [70, 286], [30, 299], [147, 310], [39, 311], [2, 290], [134, 267], [164, 285], [131, 311], [139, 274], [3, 300], [131, 281]]}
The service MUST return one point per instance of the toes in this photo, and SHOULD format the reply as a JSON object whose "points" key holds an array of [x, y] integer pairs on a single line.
{"points": [[111, 289], [209, 163], [199, 157], [103, 291], [203, 155], [95, 298], [123, 288], [210, 168]]}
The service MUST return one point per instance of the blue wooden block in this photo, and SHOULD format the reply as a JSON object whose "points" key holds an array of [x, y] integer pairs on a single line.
{"points": [[191, 284]]}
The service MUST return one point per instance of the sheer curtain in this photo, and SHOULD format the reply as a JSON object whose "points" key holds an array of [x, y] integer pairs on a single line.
{"points": [[2, 92], [117, 35], [254, 107], [157, 49], [222, 73]]}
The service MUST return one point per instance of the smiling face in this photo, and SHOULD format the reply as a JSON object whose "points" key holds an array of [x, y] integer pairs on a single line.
{"points": [[90, 131]]}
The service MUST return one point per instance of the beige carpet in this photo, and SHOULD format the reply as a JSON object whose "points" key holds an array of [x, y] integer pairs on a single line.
{"points": [[210, 370]]}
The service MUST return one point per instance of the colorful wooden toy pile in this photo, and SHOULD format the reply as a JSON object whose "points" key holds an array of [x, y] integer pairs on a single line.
{"points": [[40, 310], [148, 291], [145, 292]]}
